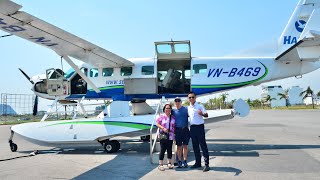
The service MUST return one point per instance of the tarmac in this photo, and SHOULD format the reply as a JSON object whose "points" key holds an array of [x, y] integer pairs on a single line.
{"points": [[267, 144]]}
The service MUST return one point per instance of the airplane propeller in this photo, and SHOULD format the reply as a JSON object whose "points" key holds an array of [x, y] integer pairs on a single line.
{"points": [[25, 75], [35, 106]]}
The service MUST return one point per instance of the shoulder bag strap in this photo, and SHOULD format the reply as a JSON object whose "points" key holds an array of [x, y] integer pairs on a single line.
{"points": [[169, 124]]}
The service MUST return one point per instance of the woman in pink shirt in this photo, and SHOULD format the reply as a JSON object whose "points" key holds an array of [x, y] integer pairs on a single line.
{"points": [[163, 122]]}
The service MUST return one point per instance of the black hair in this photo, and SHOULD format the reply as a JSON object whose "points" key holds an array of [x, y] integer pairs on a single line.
{"points": [[191, 92], [164, 107]]}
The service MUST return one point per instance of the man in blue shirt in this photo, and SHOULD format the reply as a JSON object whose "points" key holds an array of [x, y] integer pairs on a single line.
{"points": [[182, 132]]}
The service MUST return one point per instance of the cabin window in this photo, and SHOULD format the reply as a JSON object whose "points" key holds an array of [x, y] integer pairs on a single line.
{"points": [[94, 72], [107, 72], [69, 73], [161, 75], [84, 70], [147, 70], [126, 71], [200, 68]]}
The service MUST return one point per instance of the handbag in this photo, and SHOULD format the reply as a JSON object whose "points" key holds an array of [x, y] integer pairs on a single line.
{"points": [[165, 136]]}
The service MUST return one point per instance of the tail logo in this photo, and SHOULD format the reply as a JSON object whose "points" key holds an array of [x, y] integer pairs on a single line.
{"points": [[300, 25]]}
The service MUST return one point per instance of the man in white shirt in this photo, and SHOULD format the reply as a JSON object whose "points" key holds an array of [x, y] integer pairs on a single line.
{"points": [[196, 113]]}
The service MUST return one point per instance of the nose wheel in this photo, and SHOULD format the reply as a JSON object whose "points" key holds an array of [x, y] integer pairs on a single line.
{"points": [[13, 146], [111, 146]]}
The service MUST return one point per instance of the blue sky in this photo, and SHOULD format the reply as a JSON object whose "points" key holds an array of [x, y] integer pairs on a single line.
{"points": [[129, 28]]}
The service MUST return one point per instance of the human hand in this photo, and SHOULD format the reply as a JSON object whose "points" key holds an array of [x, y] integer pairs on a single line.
{"points": [[165, 130]]}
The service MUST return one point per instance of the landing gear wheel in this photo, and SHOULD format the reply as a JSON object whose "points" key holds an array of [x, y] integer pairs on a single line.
{"points": [[111, 146], [117, 144], [13, 147], [145, 138]]}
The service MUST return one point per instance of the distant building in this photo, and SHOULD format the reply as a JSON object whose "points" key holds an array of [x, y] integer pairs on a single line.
{"points": [[273, 91], [294, 95], [308, 100]]}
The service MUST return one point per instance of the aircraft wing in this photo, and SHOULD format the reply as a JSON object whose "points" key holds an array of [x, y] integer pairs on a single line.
{"points": [[308, 46], [64, 43]]}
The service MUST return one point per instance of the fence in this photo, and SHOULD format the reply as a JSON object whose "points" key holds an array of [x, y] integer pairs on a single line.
{"points": [[16, 106]]}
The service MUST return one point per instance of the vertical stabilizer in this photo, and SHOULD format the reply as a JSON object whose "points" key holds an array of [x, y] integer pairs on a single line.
{"points": [[296, 24]]}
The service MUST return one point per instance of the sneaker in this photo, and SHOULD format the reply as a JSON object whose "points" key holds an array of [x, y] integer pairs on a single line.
{"points": [[195, 166], [170, 166], [206, 168], [161, 168], [179, 164], [185, 164]]}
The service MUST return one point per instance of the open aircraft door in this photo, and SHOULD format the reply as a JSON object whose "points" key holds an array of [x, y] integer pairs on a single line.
{"points": [[57, 85], [173, 66]]}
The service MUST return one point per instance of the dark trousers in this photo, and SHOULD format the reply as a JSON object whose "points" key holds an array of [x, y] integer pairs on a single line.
{"points": [[165, 146], [198, 137]]}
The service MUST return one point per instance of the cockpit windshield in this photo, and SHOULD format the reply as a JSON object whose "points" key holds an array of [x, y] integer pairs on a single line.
{"points": [[69, 73]]}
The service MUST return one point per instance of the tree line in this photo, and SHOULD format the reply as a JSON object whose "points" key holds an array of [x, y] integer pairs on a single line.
{"points": [[220, 102]]}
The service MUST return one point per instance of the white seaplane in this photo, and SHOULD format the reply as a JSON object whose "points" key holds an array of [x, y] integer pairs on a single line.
{"points": [[173, 72]]}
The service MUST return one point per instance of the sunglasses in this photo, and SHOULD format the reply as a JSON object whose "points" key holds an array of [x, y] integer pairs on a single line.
{"points": [[178, 100], [191, 97], [168, 108]]}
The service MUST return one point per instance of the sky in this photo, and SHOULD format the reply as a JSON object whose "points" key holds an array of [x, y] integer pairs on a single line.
{"points": [[130, 28]]}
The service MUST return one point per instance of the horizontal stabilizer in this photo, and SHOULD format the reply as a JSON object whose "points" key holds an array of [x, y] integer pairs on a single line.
{"points": [[315, 33], [218, 115]]}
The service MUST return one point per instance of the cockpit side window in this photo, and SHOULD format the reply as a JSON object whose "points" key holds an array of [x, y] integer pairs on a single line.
{"points": [[200, 68], [107, 72], [94, 72]]}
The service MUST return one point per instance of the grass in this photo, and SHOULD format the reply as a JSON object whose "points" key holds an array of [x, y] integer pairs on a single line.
{"points": [[17, 122]]}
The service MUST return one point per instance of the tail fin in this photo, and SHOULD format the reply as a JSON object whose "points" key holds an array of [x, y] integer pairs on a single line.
{"points": [[296, 24]]}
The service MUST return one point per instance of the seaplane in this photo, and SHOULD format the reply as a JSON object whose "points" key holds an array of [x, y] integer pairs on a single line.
{"points": [[173, 72]]}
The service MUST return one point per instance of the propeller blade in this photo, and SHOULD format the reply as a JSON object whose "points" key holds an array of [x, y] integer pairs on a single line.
{"points": [[25, 75], [35, 106]]}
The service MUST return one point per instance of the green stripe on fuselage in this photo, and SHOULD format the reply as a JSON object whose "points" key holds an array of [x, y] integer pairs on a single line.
{"points": [[234, 84], [109, 87], [123, 124]]}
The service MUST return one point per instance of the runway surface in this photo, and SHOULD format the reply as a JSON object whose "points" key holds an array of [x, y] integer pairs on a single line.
{"points": [[268, 144]]}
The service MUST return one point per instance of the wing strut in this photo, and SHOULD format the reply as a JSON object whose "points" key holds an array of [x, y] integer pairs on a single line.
{"points": [[75, 67]]}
